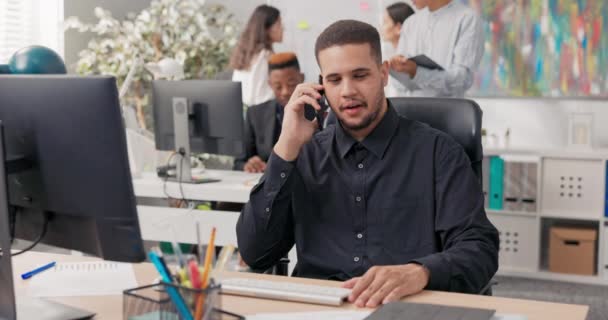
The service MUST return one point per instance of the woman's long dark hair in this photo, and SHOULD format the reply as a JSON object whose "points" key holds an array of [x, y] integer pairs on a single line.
{"points": [[255, 37], [399, 11]]}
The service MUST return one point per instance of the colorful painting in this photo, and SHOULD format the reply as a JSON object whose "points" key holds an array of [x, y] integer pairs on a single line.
{"points": [[543, 48]]}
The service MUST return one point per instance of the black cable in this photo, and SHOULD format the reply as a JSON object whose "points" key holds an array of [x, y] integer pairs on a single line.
{"points": [[12, 218], [179, 180], [167, 176], [45, 225]]}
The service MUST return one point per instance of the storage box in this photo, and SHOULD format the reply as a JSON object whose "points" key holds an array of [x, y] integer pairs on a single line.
{"points": [[573, 188], [519, 245], [572, 250]]}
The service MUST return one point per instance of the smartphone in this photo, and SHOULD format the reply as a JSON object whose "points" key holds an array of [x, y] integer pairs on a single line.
{"points": [[311, 113]]}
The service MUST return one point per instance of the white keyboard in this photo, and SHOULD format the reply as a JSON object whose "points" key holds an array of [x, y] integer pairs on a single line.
{"points": [[285, 291]]}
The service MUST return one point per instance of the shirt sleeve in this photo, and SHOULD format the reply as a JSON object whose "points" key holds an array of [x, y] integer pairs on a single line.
{"points": [[469, 241], [459, 76], [265, 227]]}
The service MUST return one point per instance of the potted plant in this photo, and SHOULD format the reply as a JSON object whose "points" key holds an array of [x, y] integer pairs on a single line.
{"points": [[199, 37]]}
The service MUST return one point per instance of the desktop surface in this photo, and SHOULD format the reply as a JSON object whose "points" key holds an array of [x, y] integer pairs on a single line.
{"points": [[234, 186], [110, 307]]}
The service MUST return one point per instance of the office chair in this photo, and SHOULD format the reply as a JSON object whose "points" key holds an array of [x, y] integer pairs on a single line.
{"points": [[459, 118]]}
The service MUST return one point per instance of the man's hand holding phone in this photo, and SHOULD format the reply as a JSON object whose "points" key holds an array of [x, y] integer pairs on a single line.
{"points": [[296, 129]]}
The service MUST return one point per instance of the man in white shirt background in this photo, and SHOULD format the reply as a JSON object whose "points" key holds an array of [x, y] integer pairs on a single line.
{"points": [[450, 34]]}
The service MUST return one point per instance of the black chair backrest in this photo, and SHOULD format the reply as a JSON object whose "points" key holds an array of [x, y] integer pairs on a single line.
{"points": [[459, 118]]}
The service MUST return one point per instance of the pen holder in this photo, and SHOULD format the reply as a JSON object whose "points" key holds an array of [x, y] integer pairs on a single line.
{"points": [[152, 302]]}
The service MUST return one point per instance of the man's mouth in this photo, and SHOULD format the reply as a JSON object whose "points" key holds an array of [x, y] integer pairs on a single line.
{"points": [[352, 108]]}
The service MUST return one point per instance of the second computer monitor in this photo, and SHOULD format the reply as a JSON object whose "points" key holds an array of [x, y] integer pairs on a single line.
{"points": [[215, 115]]}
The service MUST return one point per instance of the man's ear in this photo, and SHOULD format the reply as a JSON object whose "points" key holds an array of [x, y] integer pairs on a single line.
{"points": [[384, 67]]}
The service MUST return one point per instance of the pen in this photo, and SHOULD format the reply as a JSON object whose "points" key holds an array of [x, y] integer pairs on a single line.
{"points": [[198, 242], [199, 302], [177, 299], [30, 274]]}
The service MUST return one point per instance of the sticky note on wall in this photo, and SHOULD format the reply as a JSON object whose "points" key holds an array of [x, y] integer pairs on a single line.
{"points": [[303, 25], [364, 6]]}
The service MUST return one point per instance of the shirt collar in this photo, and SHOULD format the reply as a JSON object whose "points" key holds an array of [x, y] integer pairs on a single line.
{"points": [[377, 141], [442, 9]]}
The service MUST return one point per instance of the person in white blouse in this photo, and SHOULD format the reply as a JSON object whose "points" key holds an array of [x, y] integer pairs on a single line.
{"points": [[450, 34], [392, 22], [250, 57]]}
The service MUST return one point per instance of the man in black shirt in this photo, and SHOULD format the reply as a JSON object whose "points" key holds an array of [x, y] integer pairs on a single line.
{"points": [[263, 121], [387, 204]]}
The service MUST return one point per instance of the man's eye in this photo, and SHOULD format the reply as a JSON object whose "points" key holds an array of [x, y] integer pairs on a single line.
{"points": [[360, 75]]}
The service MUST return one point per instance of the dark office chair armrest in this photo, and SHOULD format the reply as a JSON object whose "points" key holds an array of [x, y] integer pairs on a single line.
{"points": [[487, 289], [279, 269]]}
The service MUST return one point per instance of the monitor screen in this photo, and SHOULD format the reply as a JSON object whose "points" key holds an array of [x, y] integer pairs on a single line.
{"points": [[215, 120], [67, 161]]}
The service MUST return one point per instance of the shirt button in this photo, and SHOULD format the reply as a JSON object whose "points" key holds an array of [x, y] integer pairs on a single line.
{"points": [[267, 209], [358, 199], [356, 259], [283, 175], [359, 236], [360, 166]]}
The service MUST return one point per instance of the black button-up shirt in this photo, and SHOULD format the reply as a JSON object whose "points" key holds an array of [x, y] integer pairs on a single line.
{"points": [[406, 193]]}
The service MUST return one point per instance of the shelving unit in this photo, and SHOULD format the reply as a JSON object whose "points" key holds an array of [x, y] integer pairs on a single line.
{"points": [[570, 190]]}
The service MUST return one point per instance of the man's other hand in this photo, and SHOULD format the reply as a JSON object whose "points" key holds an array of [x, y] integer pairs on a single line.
{"points": [[384, 284], [255, 164], [403, 64]]}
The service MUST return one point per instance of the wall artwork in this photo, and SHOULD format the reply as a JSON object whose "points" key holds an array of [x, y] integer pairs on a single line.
{"points": [[543, 48]]}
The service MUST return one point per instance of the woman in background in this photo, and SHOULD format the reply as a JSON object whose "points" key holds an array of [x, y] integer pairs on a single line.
{"points": [[393, 19], [250, 57]]}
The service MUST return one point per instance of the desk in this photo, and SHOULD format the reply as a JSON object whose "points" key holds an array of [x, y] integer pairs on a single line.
{"points": [[156, 223], [233, 187], [110, 307]]}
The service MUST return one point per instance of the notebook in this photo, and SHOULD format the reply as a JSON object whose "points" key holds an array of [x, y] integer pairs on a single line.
{"points": [[418, 311], [96, 278], [426, 62]]}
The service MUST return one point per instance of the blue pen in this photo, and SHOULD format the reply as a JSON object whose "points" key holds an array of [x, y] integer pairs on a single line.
{"points": [[177, 299], [30, 274]]}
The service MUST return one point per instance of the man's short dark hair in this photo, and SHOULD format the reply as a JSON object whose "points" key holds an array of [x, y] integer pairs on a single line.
{"points": [[345, 32]]}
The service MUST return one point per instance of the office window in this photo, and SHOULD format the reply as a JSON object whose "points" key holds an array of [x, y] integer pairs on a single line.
{"points": [[30, 22]]}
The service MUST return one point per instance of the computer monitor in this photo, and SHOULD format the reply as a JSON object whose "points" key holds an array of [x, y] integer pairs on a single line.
{"points": [[202, 116], [67, 172]]}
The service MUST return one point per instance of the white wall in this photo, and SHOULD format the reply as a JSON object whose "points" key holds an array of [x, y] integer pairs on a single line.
{"points": [[542, 123], [534, 123]]}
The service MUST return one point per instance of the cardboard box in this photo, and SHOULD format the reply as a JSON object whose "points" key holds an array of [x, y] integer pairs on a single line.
{"points": [[572, 250]]}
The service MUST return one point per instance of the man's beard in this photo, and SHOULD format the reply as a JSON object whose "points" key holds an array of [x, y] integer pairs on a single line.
{"points": [[368, 120]]}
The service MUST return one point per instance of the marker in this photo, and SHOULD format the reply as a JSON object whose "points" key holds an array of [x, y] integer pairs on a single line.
{"points": [[30, 274], [177, 299]]}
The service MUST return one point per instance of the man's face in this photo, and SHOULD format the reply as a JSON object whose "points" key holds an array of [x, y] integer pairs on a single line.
{"points": [[420, 4], [283, 82], [354, 84]]}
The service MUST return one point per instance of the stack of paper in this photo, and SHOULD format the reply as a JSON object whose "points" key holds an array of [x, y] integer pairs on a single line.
{"points": [[83, 279]]}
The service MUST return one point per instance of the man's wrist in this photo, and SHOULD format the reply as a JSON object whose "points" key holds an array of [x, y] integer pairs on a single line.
{"points": [[424, 272], [286, 149]]}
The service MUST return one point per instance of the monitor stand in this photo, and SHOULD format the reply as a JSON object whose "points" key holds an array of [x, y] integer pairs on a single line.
{"points": [[183, 170], [23, 307]]}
